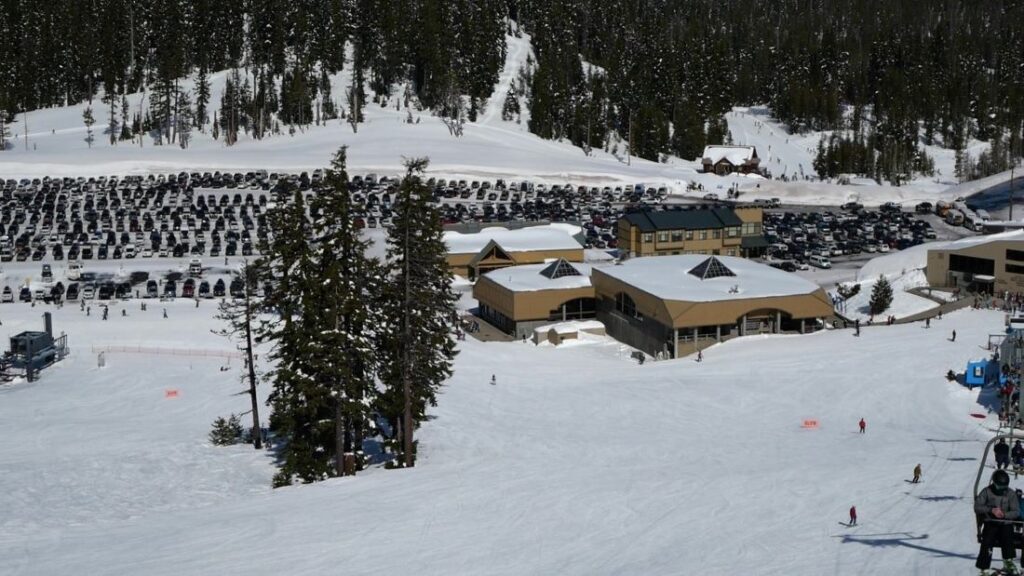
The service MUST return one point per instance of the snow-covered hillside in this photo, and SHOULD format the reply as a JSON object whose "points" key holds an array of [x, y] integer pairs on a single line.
{"points": [[579, 461], [489, 148]]}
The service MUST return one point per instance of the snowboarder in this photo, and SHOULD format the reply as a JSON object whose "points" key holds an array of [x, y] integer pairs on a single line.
{"points": [[863, 425], [993, 505], [1002, 452], [917, 474], [853, 515], [494, 380], [953, 339]]}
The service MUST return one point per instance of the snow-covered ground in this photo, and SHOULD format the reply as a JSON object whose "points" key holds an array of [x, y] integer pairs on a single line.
{"points": [[579, 461]]}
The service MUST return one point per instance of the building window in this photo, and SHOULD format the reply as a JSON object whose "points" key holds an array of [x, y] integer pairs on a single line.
{"points": [[677, 236], [1015, 269], [703, 234], [751, 228], [625, 305], [648, 237], [577, 309], [971, 265], [689, 234], [731, 252], [732, 232], [1017, 255], [662, 236], [716, 234]]}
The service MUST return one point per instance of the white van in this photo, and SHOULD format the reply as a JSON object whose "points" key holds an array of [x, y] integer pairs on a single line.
{"points": [[195, 267], [74, 270], [820, 261]]}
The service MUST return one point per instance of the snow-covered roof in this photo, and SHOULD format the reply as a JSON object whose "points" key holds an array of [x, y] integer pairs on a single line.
{"points": [[736, 155], [522, 240], [529, 278], [669, 278], [971, 241]]}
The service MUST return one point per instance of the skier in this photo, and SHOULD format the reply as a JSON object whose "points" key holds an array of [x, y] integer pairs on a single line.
{"points": [[940, 313], [927, 322], [165, 312], [856, 325], [863, 425], [1002, 452], [1017, 454], [494, 380], [917, 474], [853, 515], [994, 505], [953, 339], [700, 356]]}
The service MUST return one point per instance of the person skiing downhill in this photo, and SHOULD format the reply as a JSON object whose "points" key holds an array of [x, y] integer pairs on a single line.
{"points": [[917, 474], [953, 339], [863, 425], [853, 515], [994, 505]]}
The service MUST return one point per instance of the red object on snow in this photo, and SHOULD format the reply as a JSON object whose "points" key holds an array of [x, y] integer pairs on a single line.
{"points": [[976, 415]]}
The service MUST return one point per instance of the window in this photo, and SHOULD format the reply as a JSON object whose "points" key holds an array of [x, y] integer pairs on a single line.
{"points": [[971, 265], [1017, 255], [662, 236], [1015, 269], [703, 234], [577, 309], [677, 236], [716, 234], [751, 228], [648, 237], [689, 234], [732, 232], [625, 305]]}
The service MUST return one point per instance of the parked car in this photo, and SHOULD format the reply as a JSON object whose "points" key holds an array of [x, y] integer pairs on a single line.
{"points": [[72, 292], [8, 295]]}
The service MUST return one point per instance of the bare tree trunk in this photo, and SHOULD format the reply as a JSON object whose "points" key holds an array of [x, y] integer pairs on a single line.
{"points": [[257, 437], [407, 425]]}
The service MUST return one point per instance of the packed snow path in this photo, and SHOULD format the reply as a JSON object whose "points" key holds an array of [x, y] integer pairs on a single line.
{"points": [[579, 461]]}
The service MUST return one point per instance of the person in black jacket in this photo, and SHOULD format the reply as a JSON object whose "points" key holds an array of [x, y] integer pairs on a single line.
{"points": [[995, 505], [1002, 452], [1017, 454]]}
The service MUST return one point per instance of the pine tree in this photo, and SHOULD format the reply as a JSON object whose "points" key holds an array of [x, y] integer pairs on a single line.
{"points": [[227, 431], [420, 307], [202, 99], [344, 355], [881, 296], [240, 316], [88, 120]]}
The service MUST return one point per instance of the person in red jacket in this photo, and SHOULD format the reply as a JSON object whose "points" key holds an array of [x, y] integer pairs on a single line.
{"points": [[863, 425], [853, 515]]}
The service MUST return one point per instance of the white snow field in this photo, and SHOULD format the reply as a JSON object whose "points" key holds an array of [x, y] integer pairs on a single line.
{"points": [[578, 461]]}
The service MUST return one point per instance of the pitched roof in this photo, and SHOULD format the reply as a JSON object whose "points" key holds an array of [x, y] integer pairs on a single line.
{"points": [[735, 155], [651, 221]]}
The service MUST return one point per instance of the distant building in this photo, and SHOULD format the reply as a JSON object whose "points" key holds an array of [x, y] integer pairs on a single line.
{"points": [[979, 263], [724, 160], [679, 304], [518, 299], [710, 231], [472, 255]]}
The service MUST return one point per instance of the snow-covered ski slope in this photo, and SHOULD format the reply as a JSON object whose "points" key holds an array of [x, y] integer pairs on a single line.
{"points": [[579, 461], [488, 149]]}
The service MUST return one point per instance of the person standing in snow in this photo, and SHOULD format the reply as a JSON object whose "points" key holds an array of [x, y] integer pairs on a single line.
{"points": [[927, 322], [953, 339], [700, 356], [494, 380], [1002, 452], [863, 426], [994, 506], [853, 515], [917, 474]]}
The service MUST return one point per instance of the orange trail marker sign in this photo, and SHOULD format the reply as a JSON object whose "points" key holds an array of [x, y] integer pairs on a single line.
{"points": [[171, 393], [809, 423]]}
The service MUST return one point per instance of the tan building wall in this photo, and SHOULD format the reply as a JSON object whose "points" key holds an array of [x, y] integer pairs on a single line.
{"points": [[1012, 279], [668, 242], [526, 305]]}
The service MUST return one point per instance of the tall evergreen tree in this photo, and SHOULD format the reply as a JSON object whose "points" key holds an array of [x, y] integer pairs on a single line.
{"points": [[420, 307], [241, 318]]}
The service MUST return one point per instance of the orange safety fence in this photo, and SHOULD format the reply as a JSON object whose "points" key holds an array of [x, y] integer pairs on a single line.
{"points": [[161, 351]]}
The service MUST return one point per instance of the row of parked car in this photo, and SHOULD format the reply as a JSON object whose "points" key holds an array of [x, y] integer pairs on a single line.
{"points": [[125, 290], [814, 237]]}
